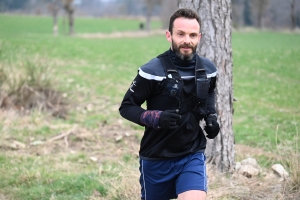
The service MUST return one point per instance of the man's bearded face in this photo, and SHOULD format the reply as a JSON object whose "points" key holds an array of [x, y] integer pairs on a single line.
{"points": [[181, 53]]}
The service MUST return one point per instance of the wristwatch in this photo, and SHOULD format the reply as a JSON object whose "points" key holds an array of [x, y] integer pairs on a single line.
{"points": [[215, 114]]}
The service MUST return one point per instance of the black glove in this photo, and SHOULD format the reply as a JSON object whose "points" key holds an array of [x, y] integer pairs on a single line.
{"points": [[168, 119], [198, 113], [212, 127]]}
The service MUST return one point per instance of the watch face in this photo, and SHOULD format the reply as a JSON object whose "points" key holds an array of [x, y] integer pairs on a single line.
{"points": [[214, 115], [172, 91], [173, 87]]}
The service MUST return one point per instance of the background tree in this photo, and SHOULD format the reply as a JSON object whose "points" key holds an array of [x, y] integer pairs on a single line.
{"points": [[216, 46], [54, 7], [12, 5], [150, 4], [247, 13], [298, 19], [260, 6], [69, 8], [4, 5], [293, 15], [167, 9], [237, 13]]}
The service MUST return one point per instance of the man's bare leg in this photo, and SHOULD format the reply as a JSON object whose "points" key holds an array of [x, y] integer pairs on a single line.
{"points": [[192, 195]]}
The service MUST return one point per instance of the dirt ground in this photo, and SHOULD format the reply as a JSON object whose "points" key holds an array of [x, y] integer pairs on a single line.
{"points": [[122, 34], [111, 142]]}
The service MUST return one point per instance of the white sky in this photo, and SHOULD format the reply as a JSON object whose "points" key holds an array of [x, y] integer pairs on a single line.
{"points": [[78, 2]]}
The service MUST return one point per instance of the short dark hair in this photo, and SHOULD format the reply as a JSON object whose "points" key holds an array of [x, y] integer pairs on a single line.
{"points": [[186, 13]]}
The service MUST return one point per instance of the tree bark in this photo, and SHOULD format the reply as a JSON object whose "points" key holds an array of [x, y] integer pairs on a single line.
{"points": [[293, 17], [70, 11], [260, 6], [216, 45], [168, 7], [54, 8], [150, 6]]}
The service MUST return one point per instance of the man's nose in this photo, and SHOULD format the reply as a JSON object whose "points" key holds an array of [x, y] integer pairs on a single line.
{"points": [[187, 39]]}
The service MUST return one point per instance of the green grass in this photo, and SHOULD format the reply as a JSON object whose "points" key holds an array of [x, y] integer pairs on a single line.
{"points": [[29, 26], [34, 178], [266, 77], [266, 85]]}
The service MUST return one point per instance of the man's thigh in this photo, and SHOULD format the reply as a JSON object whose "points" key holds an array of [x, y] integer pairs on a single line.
{"points": [[192, 175], [163, 180], [157, 180]]}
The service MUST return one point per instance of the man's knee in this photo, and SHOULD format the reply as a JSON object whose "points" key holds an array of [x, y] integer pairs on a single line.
{"points": [[192, 195]]}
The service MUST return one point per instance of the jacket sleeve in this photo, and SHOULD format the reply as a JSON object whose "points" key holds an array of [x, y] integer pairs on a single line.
{"points": [[211, 108], [136, 95], [211, 72]]}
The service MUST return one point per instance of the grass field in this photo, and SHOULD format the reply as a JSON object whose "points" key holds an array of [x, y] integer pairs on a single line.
{"points": [[95, 73], [266, 85]]}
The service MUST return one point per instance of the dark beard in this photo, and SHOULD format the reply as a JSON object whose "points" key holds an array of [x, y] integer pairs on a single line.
{"points": [[183, 56]]}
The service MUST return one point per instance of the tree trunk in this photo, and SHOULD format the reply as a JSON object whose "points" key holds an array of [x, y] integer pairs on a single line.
{"points": [[71, 22], [260, 16], [70, 11], [216, 45], [168, 7], [55, 27], [260, 6], [293, 17], [148, 20], [150, 7], [53, 7]]}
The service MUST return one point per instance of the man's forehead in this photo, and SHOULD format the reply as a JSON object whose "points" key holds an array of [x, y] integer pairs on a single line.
{"points": [[185, 24]]}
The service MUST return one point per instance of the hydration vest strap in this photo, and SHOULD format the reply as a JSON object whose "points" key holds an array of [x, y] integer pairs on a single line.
{"points": [[201, 81], [199, 69], [202, 86], [170, 69]]}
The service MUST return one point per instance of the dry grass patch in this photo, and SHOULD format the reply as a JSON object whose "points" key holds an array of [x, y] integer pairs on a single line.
{"points": [[128, 34], [73, 147], [31, 85], [289, 155]]}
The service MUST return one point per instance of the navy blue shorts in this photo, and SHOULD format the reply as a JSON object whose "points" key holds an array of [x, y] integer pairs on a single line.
{"points": [[165, 179]]}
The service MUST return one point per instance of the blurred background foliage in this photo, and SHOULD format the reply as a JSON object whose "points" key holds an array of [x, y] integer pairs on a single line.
{"points": [[273, 14]]}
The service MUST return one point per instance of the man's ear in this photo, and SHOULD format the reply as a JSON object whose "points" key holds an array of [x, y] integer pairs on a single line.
{"points": [[169, 36], [199, 37]]}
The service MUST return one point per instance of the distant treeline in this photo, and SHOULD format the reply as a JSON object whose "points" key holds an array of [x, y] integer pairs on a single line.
{"points": [[9, 5], [257, 13]]}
